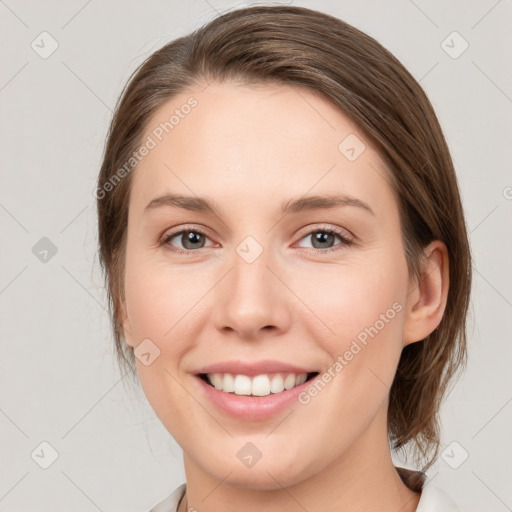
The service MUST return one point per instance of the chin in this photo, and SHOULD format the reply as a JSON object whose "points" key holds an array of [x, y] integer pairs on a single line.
{"points": [[272, 474]]}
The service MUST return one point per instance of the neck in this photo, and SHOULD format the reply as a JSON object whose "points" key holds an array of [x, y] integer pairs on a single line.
{"points": [[363, 478]]}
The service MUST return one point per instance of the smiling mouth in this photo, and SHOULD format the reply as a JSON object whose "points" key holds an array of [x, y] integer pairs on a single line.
{"points": [[260, 385]]}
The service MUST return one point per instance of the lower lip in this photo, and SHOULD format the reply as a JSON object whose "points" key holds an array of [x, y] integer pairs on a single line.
{"points": [[252, 408]]}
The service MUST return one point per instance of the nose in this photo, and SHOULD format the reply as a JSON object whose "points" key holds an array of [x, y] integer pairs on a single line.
{"points": [[253, 299]]}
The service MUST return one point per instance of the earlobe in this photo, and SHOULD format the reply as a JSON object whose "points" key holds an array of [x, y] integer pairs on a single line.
{"points": [[427, 296]]}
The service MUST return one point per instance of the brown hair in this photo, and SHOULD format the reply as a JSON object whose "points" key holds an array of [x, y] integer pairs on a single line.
{"points": [[303, 47]]}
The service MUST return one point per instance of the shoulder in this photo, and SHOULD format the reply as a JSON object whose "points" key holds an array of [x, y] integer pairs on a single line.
{"points": [[435, 499], [170, 504]]}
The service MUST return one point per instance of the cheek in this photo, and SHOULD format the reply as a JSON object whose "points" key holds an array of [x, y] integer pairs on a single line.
{"points": [[347, 298], [358, 319], [160, 302], [160, 307]]}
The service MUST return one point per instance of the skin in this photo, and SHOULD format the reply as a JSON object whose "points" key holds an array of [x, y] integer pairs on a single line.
{"points": [[249, 149]]}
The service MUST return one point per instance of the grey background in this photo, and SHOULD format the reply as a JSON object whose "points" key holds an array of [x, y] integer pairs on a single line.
{"points": [[58, 380]]}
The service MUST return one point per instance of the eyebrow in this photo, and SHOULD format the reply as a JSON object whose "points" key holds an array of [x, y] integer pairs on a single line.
{"points": [[294, 205]]}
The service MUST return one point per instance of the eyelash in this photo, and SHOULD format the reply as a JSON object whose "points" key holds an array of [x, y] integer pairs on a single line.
{"points": [[346, 242]]}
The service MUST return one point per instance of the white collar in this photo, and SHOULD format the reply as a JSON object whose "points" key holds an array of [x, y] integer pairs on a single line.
{"points": [[432, 499]]}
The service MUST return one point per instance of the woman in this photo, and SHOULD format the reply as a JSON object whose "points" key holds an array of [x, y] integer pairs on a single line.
{"points": [[282, 366]]}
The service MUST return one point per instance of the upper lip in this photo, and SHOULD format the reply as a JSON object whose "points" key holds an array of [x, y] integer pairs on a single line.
{"points": [[239, 367]]}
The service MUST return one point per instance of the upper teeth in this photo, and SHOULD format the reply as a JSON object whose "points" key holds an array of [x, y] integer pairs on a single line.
{"points": [[260, 385]]}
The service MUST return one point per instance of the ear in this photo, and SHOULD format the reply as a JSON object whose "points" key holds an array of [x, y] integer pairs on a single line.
{"points": [[126, 326], [426, 299]]}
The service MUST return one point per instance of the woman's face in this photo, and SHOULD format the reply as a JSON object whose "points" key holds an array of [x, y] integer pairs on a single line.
{"points": [[248, 283]]}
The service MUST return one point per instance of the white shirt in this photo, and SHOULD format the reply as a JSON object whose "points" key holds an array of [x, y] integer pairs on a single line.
{"points": [[432, 499]]}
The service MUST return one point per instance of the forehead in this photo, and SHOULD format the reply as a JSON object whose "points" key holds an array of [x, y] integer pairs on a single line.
{"points": [[256, 141]]}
